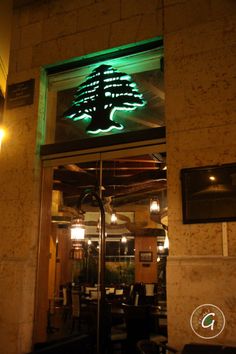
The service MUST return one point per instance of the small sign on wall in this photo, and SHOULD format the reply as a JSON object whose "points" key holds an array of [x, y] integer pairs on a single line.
{"points": [[20, 94], [145, 256]]}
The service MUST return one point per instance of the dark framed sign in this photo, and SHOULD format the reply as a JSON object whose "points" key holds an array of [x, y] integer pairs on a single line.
{"points": [[209, 194], [20, 94], [145, 256]]}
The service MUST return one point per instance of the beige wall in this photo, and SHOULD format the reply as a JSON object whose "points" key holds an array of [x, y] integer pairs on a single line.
{"points": [[200, 67], [200, 110], [45, 32]]}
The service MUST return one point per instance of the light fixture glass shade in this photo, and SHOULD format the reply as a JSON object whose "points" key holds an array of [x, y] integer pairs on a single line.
{"points": [[154, 206], [77, 230], [113, 218], [123, 239], [166, 242]]}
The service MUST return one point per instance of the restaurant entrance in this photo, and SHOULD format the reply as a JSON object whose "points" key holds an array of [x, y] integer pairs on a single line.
{"points": [[129, 179]]}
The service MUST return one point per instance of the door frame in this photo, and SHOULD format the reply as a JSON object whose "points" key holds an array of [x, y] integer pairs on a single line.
{"points": [[49, 161]]}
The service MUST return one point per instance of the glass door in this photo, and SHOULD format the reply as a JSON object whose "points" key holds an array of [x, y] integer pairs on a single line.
{"points": [[127, 181]]}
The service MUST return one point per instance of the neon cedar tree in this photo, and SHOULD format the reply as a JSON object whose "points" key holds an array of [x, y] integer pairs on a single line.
{"points": [[104, 91]]}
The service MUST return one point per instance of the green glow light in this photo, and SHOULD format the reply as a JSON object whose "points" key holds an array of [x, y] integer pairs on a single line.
{"points": [[105, 130], [99, 100]]}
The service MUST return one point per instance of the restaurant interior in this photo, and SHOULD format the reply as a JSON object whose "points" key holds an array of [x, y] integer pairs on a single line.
{"points": [[123, 270]]}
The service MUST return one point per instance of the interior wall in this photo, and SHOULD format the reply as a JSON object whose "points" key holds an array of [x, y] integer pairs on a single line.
{"points": [[145, 272], [200, 71]]}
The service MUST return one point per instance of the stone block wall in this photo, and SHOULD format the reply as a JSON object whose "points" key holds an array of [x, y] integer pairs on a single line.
{"points": [[45, 32], [200, 67]]}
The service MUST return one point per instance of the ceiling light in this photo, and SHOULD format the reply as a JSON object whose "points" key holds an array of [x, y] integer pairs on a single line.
{"points": [[77, 230], [155, 206]]}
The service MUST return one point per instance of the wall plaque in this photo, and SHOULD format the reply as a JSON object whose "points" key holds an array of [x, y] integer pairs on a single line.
{"points": [[20, 94]]}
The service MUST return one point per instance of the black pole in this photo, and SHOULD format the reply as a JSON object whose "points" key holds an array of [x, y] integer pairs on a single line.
{"points": [[101, 335]]}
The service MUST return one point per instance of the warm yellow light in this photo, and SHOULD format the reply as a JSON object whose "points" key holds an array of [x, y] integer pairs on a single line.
{"points": [[2, 134], [166, 242], [155, 206], [124, 239], [212, 178], [113, 218], [77, 231]]}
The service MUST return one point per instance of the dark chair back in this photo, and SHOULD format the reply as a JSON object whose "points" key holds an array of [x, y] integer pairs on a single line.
{"points": [[147, 347], [137, 319]]}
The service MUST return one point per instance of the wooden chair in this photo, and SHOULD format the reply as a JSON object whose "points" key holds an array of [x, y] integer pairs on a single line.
{"points": [[139, 326], [76, 309], [118, 334], [137, 319], [150, 293], [66, 305]]}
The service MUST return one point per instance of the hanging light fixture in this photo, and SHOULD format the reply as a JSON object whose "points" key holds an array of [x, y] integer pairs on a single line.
{"points": [[77, 230], [155, 206]]}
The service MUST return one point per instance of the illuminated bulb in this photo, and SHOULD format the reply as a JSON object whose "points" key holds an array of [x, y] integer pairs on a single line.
{"points": [[155, 206], [161, 248], [113, 218], [77, 231], [212, 178], [123, 239], [158, 259], [89, 242]]}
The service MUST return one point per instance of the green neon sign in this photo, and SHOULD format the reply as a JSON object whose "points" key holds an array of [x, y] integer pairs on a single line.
{"points": [[104, 91]]}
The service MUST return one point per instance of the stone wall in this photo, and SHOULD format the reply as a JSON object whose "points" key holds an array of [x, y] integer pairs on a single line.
{"points": [[46, 32], [200, 67]]}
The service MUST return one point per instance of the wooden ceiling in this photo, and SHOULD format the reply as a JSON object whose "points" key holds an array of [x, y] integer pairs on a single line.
{"points": [[124, 181]]}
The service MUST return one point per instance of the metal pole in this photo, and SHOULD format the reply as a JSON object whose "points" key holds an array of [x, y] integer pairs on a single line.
{"points": [[101, 285]]}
